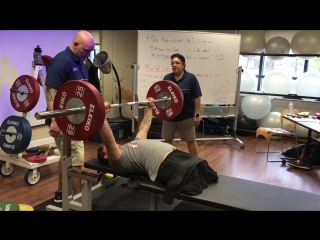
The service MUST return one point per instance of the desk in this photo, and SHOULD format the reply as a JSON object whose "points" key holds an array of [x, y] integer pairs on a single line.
{"points": [[313, 125]]}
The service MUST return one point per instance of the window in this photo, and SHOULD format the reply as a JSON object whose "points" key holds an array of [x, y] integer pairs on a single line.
{"points": [[293, 67]]}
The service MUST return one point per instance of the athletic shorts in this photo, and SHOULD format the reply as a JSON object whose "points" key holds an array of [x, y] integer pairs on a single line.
{"points": [[77, 150], [185, 127], [169, 165]]}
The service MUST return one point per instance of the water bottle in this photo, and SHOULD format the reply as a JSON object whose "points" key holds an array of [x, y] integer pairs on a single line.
{"points": [[290, 109], [37, 56]]}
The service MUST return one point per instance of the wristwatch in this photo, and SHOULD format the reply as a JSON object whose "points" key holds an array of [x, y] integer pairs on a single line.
{"points": [[197, 115]]}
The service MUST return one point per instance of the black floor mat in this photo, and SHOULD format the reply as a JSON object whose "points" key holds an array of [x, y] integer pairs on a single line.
{"points": [[128, 198]]}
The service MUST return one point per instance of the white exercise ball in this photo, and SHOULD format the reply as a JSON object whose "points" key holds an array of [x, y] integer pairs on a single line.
{"points": [[277, 83], [271, 120], [277, 45], [252, 41], [306, 42], [248, 82], [308, 84], [256, 106]]}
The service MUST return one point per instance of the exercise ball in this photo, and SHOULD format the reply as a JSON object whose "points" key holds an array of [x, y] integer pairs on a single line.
{"points": [[308, 84], [256, 106], [277, 45], [252, 41], [277, 83], [246, 126], [306, 42], [271, 120], [248, 82]]}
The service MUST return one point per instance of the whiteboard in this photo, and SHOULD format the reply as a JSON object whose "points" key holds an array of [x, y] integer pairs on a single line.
{"points": [[212, 57]]}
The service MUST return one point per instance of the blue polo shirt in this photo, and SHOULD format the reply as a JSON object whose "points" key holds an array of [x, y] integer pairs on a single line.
{"points": [[190, 87], [64, 67]]}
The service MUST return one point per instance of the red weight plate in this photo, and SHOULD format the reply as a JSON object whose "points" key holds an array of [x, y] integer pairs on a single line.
{"points": [[77, 94], [170, 89], [25, 93], [46, 59], [37, 159]]}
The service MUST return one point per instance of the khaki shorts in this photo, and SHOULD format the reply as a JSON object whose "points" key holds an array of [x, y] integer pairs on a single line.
{"points": [[77, 150], [185, 127]]}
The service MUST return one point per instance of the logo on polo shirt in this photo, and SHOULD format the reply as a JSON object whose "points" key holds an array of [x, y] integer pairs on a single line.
{"points": [[75, 69]]}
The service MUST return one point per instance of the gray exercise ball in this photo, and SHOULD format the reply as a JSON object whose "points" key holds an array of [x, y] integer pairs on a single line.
{"points": [[277, 45], [252, 41], [306, 42]]}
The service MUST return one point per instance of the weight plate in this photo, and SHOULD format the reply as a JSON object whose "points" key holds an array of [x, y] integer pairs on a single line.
{"points": [[27, 134], [25, 93], [15, 135], [8, 206], [168, 109], [32, 150], [44, 147], [25, 207], [78, 94], [37, 159], [46, 59]]}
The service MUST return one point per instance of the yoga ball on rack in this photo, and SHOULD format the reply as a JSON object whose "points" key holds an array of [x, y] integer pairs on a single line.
{"points": [[248, 82], [256, 106], [308, 84], [252, 41], [277, 45], [306, 42], [277, 83]]}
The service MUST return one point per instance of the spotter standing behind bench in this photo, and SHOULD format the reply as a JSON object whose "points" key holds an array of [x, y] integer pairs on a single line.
{"points": [[179, 171]]}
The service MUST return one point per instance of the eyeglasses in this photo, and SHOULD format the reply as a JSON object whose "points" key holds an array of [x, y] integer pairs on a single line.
{"points": [[177, 63]]}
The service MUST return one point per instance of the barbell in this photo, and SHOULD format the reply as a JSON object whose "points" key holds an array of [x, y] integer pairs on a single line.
{"points": [[79, 110]]}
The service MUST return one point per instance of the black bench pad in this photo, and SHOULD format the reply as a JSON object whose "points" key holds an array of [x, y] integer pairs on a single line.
{"points": [[231, 193]]}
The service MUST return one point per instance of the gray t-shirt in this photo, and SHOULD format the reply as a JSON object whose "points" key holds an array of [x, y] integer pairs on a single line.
{"points": [[143, 156]]}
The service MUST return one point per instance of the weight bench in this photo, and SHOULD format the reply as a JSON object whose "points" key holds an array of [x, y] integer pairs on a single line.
{"points": [[229, 193]]}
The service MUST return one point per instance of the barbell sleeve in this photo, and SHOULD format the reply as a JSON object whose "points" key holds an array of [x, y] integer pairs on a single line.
{"points": [[73, 111], [57, 113]]}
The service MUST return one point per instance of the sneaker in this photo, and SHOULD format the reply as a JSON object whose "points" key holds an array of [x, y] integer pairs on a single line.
{"points": [[58, 197], [300, 164]]}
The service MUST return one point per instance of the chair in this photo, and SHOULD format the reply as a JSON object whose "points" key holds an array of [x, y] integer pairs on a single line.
{"points": [[267, 133]]}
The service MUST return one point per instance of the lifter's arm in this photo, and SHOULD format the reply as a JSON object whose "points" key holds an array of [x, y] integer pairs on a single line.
{"points": [[108, 139], [146, 121]]}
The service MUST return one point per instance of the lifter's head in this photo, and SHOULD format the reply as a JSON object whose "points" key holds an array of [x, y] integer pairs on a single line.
{"points": [[82, 44], [102, 153]]}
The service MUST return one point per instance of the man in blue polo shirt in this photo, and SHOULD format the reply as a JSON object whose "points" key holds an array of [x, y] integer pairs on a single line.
{"points": [[65, 66], [189, 117]]}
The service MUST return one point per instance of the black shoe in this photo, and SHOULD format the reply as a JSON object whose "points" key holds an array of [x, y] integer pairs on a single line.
{"points": [[303, 163], [58, 197]]}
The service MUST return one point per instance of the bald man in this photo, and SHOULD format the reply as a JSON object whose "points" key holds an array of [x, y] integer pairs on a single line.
{"points": [[68, 65]]}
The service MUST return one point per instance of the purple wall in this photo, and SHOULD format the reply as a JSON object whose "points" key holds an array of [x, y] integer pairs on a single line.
{"points": [[16, 56]]}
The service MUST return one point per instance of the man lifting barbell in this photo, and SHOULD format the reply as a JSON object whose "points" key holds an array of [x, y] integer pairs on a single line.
{"points": [[80, 112]]}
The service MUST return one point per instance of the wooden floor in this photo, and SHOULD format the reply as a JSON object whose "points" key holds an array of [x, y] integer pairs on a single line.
{"points": [[224, 156]]}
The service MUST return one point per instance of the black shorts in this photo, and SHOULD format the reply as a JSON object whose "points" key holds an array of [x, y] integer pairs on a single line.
{"points": [[169, 165]]}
